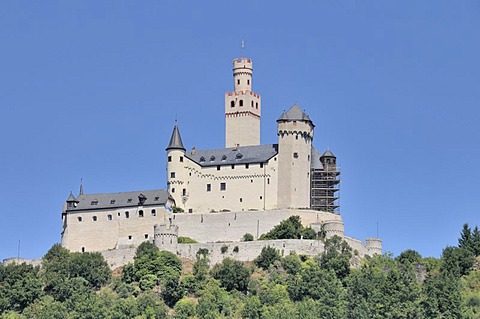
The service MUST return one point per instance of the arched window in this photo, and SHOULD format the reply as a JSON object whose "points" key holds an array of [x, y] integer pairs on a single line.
{"points": [[232, 104], [241, 103], [94, 218], [127, 214], [154, 212], [140, 213], [252, 103]]}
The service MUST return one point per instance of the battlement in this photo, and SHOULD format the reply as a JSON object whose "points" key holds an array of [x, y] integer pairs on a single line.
{"points": [[242, 63]]}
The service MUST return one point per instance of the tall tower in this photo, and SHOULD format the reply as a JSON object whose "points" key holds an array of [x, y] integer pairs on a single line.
{"points": [[176, 174], [295, 135], [242, 108]]}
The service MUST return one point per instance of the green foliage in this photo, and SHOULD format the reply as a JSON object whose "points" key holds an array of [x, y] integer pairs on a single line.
{"points": [[443, 298], [337, 256], [457, 261], [146, 248], [46, 308], [267, 257], [291, 263], [252, 308], [184, 309], [248, 237], [232, 274], [290, 228], [409, 257], [215, 302], [186, 240], [470, 240], [177, 210], [202, 252]]}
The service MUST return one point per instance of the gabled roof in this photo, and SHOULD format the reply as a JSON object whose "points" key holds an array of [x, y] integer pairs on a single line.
{"points": [[117, 200], [328, 153], [233, 155], [295, 113], [176, 140]]}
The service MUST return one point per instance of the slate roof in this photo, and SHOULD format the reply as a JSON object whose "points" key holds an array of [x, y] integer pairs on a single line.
{"points": [[233, 155], [295, 113], [175, 140], [328, 153], [117, 200], [315, 159]]}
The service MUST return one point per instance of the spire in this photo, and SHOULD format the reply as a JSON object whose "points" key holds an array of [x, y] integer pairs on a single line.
{"points": [[71, 198], [176, 140], [81, 187], [328, 153]]}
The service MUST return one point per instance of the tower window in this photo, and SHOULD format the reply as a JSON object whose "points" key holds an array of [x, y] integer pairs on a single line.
{"points": [[241, 103], [256, 105], [109, 217], [146, 236], [79, 218], [241, 200], [130, 237], [268, 181], [218, 167], [181, 159], [169, 158], [173, 190], [209, 187], [154, 213], [247, 166], [223, 186], [248, 82], [261, 165], [184, 192], [140, 213], [295, 155], [238, 81], [233, 166], [232, 104], [127, 215], [172, 175], [94, 218], [252, 103], [83, 249]]}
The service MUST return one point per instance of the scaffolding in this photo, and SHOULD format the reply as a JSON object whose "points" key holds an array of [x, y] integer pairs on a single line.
{"points": [[324, 190]]}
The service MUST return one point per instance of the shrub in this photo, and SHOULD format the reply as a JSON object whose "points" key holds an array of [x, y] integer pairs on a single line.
{"points": [[186, 240], [247, 237]]}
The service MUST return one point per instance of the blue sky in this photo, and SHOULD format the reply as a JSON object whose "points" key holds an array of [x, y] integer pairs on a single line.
{"points": [[90, 89]]}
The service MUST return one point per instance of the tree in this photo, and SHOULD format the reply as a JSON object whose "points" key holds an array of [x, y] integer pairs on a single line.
{"points": [[443, 298], [290, 228], [476, 241], [184, 309], [232, 274], [457, 261], [291, 264], [267, 257], [336, 256], [46, 308], [247, 237], [409, 257], [466, 239]]}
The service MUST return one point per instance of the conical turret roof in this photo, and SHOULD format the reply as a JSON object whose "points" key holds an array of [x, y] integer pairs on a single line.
{"points": [[71, 198], [328, 153], [176, 140], [295, 113]]}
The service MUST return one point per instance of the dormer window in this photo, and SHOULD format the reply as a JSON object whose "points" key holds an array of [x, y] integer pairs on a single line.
{"points": [[239, 156], [224, 157], [202, 159], [94, 202], [129, 200], [212, 158], [112, 202], [156, 198]]}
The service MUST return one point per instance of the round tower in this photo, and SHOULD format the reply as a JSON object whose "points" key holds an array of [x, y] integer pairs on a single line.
{"points": [[295, 135], [374, 246], [242, 107], [165, 237], [177, 185], [334, 227]]}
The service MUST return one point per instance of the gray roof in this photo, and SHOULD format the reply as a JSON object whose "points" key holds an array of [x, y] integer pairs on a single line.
{"points": [[175, 140], [234, 155], [315, 163], [295, 113], [116, 200], [71, 198], [328, 153]]}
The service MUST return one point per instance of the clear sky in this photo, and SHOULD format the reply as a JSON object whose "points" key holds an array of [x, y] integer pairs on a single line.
{"points": [[91, 89]]}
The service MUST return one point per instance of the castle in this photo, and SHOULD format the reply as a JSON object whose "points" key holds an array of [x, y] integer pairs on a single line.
{"points": [[223, 193]]}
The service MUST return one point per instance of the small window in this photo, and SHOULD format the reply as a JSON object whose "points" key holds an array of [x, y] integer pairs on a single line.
{"points": [[241, 103], [261, 165], [83, 249], [308, 158], [146, 236], [238, 82], [247, 166], [173, 190], [239, 156], [190, 210], [256, 105], [94, 218], [140, 213], [248, 82], [296, 137], [232, 104], [295, 155], [241, 199], [112, 202], [268, 181], [118, 214], [252, 103], [202, 159], [223, 186], [233, 166], [218, 167], [109, 217], [172, 175], [184, 192], [130, 237], [169, 158], [129, 200], [251, 181], [154, 213], [209, 187], [94, 202], [79, 218], [127, 214], [156, 198], [224, 157], [212, 158], [261, 197], [181, 159]]}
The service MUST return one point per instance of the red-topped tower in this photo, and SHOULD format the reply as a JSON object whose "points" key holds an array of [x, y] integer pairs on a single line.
{"points": [[242, 108]]}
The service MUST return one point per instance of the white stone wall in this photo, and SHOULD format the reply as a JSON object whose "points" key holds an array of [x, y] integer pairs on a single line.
{"points": [[249, 188], [104, 234]]}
